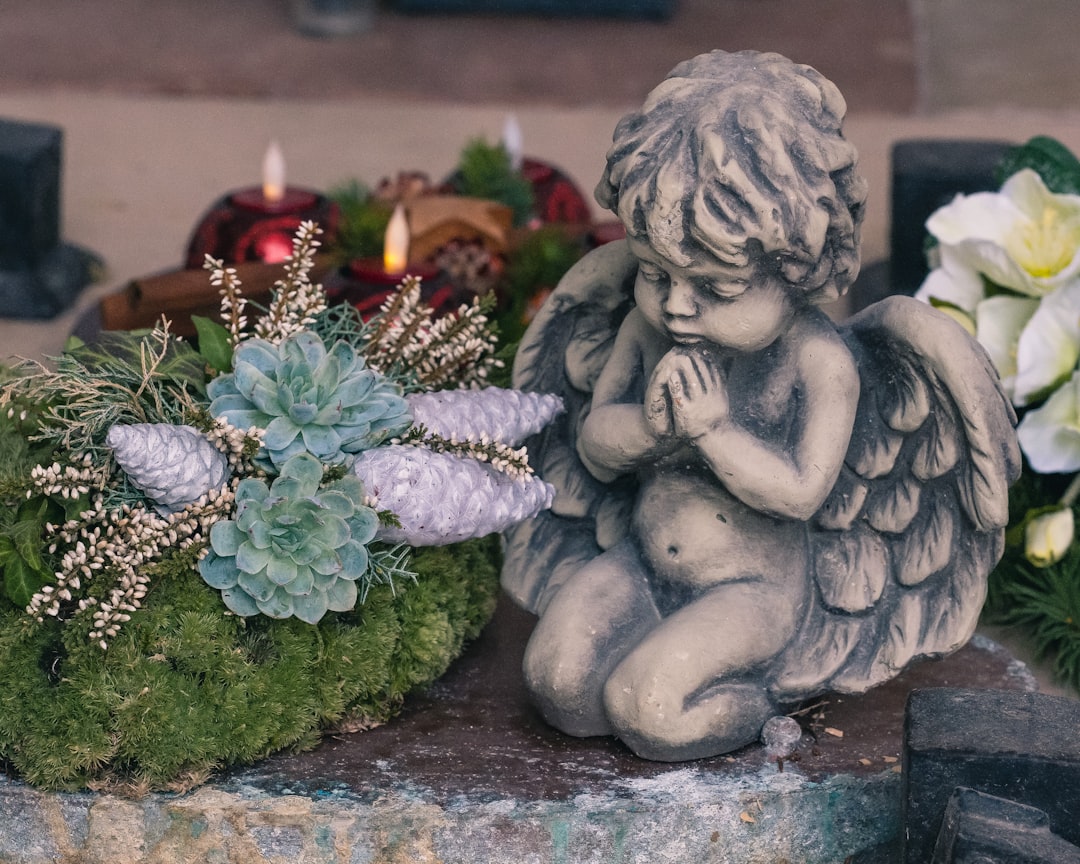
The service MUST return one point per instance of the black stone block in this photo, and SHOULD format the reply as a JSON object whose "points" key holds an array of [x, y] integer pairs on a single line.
{"points": [[927, 174], [978, 828], [30, 156], [1015, 745]]}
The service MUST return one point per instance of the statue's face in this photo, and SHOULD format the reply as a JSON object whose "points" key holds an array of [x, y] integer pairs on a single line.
{"points": [[728, 305]]}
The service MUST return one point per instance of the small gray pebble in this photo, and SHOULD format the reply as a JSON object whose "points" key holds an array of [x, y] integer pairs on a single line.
{"points": [[780, 735]]}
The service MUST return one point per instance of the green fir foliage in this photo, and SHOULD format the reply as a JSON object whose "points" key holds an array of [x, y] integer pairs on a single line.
{"points": [[484, 171], [362, 222], [538, 263], [1044, 602], [187, 688], [124, 377], [341, 322]]}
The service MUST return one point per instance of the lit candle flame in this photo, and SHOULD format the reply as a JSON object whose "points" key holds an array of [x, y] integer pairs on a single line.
{"points": [[512, 141], [273, 172], [396, 243]]}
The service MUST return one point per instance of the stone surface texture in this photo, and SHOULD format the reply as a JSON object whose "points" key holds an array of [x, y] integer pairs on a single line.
{"points": [[470, 774], [1020, 746], [978, 827]]}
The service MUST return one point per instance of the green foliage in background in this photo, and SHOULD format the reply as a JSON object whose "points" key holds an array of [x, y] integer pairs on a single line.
{"points": [[1050, 159], [362, 223], [539, 262], [1043, 602], [484, 171]]}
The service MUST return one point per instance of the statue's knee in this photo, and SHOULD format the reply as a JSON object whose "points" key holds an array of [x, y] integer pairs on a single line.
{"points": [[555, 670], [565, 688], [643, 701]]}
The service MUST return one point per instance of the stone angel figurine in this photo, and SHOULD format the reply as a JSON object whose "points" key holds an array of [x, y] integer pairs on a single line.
{"points": [[754, 505]]}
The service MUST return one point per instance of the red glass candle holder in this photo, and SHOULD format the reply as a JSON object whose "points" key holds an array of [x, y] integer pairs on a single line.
{"points": [[247, 226], [366, 284]]}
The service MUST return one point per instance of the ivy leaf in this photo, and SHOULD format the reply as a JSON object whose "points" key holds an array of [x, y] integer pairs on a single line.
{"points": [[21, 581], [215, 346], [25, 535], [25, 570]]}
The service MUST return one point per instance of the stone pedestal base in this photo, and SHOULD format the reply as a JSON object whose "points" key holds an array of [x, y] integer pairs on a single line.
{"points": [[470, 774]]}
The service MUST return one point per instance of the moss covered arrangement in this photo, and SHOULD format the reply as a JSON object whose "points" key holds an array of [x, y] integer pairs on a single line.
{"points": [[194, 572], [187, 687]]}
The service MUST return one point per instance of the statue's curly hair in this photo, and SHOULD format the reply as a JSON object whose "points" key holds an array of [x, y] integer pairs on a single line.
{"points": [[742, 155]]}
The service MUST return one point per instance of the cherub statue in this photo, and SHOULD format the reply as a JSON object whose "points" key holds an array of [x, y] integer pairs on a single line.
{"points": [[754, 505]]}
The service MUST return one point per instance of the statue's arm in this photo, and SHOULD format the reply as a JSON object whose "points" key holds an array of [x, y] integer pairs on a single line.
{"points": [[793, 482], [615, 437]]}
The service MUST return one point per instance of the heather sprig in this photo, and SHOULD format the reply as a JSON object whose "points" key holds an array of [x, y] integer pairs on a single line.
{"points": [[482, 448], [407, 342], [296, 301], [233, 301]]}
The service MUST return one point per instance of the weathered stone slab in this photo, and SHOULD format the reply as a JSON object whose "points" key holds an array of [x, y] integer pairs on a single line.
{"points": [[469, 773], [1020, 746]]}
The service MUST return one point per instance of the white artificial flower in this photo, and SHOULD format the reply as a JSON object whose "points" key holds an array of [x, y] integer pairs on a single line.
{"points": [[953, 283], [1047, 537], [1024, 237], [999, 325], [1050, 435], [1048, 349]]}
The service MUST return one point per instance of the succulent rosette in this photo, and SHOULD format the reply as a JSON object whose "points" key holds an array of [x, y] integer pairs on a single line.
{"points": [[293, 549], [308, 399]]}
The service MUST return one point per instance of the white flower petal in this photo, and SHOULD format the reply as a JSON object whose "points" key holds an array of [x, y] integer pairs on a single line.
{"points": [[1050, 435], [1029, 193], [1024, 237], [983, 216], [999, 322], [994, 261], [953, 283], [1047, 538], [1049, 347]]}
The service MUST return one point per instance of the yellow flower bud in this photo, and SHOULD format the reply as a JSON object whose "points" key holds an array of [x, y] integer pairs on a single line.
{"points": [[1047, 537]]}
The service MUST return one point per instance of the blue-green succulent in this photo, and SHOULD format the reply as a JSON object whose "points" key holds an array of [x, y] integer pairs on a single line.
{"points": [[306, 398], [293, 548]]}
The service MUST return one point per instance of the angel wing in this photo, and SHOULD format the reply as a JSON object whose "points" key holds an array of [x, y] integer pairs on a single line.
{"points": [[902, 547], [563, 352]]}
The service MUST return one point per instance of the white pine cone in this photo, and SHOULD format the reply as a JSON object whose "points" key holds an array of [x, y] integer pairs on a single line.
{"points": [[440, 498], [506, 416], [173, 465]]}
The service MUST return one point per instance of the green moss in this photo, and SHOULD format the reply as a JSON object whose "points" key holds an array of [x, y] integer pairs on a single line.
{"points": [[187, 687]]}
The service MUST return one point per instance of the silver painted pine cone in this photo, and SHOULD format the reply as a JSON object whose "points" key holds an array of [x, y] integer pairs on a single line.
{"points": [[440, 498], [506, 416], [173, 465]]}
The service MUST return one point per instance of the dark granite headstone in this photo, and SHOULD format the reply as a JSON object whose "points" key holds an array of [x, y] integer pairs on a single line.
{"points": [[927, 174], [980, 828], [29, 193], [1019, 746], [39, 275]]}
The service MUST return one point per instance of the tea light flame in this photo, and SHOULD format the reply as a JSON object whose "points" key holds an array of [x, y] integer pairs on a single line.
{"points": [[396, 243], [273, 173]]}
